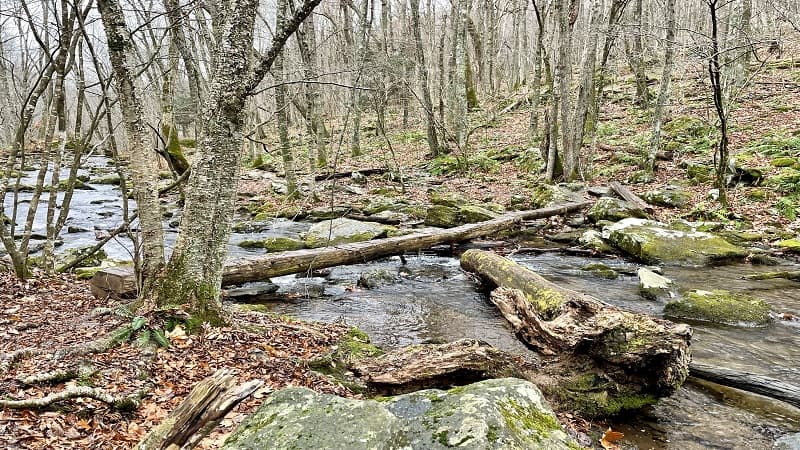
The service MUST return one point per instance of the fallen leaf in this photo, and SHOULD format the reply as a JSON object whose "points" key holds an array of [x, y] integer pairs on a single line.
{"points": [[609, 438]]}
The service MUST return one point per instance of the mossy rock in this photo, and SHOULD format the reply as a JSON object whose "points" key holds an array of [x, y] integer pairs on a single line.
{"points": [[112, 179], [792, 245], [756, 194], [450, 199], [654, 243], [742, 238], [698, 173], [614, 209], [379, 203], [720, 307], [274, 244], [641, 177], [442, 216], [474, 214], [80, 185], [784, 161], [601, 270], [70, 254], [343, 231], [504, 413], [351, 347], [544, 195], [651, 284], [670, 197], [376, 278]]}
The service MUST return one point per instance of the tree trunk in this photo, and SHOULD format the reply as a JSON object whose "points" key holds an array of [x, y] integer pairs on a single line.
{"points": [[610, 360], [144, 167], [422, 72], [282, 110], [663, 93], [636, 57]]}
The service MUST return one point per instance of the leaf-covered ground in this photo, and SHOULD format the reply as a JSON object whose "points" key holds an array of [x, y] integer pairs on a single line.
{"points": [[54, 313]]}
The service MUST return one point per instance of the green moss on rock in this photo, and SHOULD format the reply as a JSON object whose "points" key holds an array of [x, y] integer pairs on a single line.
{"points": [[601, 270], [274, 244], [719, 306]]}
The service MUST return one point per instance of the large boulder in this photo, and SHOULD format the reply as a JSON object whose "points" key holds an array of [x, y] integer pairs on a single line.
{"points": [[505, 413], [655, 243], [548, 195], [453, 216], [342, 231], [719, 306], [614, 209]]}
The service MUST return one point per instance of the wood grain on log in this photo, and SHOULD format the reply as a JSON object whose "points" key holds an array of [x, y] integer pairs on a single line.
{"points": [[199, 412], [629, 196]]}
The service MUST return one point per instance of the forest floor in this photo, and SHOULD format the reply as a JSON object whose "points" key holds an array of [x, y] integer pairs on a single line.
{"points": [[53, 314]]}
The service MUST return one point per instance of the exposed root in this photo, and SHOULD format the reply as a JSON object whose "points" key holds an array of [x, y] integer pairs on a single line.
{"points": [[57, 376], [121, 403], [106, 342], [8, 360]]}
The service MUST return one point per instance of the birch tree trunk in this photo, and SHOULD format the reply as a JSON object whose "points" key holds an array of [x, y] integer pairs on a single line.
{"points": [[143, 163]]}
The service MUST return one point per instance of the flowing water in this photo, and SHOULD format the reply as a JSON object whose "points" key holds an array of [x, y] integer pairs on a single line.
{"points": [[434, 301]]}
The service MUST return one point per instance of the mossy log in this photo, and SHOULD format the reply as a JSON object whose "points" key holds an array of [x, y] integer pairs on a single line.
{"points": [[435, 366], [198, 414], [605, 360], [758, 384]]}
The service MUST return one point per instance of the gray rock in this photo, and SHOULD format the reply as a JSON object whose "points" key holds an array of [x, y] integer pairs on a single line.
{"points": [[609, 208], [252, 292], [656, 243], [342, 231], [600, 191], [788, 442], [593, 239], [652, 285], [328, 212], [378, 277], [503, 413], [274, 244]]}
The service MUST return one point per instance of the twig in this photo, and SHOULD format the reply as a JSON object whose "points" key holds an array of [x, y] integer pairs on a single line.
{"points": [[8, 360]]}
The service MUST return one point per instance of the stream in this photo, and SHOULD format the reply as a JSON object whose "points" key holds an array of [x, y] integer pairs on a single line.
{"points": [[434, 301]]}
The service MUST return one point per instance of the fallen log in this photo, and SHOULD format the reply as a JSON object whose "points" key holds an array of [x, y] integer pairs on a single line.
{"points": [[107, 281], [758, 384], [604, 360], [440, 366], [629, 196], [199, 413], [337, 175]]}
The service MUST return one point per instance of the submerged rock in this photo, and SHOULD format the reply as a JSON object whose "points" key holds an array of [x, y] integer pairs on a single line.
{"points": [[343, 231], [651, 284], [609, 208], [505, 413], [601, 270], [378, 277], [719, 306], [788, 442], [655, 243]]}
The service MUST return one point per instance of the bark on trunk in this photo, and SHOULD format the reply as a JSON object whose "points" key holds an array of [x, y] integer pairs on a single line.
{"points": [[608, 360]]}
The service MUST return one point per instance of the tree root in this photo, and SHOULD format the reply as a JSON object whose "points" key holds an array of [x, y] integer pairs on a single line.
{"points": [[106, 342], [8, 360], [129, 403], [58, 376]]}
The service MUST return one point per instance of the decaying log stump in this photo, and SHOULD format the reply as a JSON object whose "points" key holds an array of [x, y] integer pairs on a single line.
{"points": [[436, 366], [604, 360], [198, 414]]}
